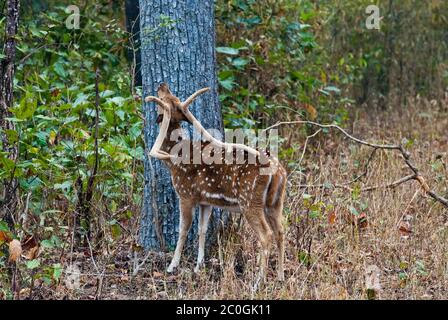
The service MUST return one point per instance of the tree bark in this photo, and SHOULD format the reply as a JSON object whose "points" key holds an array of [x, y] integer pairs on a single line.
{"points": [[7, 68], [177, 47]]}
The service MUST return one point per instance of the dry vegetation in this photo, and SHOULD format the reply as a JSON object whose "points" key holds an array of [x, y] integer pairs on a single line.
{"points": [[401, 231]]}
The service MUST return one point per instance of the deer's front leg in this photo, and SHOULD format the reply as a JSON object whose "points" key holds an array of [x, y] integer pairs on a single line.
{"points": [[186, 217], [204, 216]]}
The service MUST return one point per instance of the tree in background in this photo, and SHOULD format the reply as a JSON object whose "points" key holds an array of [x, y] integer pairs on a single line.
{"points": [[8, 134], [133, 26], [178, 47]]}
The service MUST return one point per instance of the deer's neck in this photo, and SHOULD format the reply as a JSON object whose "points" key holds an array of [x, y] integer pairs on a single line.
{"points": [[171, 139], [167, 142]]}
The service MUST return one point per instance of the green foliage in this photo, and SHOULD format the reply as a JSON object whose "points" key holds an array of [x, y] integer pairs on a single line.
{"points": [[270, 63], [286, 59], [55, 114]]}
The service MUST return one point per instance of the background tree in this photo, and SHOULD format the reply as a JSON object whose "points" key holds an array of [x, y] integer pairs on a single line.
{"points": [[178, 47], [133, 26], [8, 133]]}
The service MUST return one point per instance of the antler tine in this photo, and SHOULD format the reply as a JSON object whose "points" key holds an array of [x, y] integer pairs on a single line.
{"points": [[155, 151], [204, 132], [191, 98], [158, 101], [218, 143]]}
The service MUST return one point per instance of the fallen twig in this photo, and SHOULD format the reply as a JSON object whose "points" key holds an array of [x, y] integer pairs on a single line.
{"points": [[138, 266]]}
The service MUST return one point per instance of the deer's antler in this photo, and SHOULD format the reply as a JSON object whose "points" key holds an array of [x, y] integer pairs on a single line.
{"points": [[158, 101], [201, 129], [155, 151], [191, 98]]}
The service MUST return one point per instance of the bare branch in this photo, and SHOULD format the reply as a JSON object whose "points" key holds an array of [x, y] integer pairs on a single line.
{"points": [[391, 185], [405, 154], [334, 126]]}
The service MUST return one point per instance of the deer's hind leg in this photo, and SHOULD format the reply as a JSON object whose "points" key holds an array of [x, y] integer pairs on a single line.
{"points": [[256, 218], [274, 217]]}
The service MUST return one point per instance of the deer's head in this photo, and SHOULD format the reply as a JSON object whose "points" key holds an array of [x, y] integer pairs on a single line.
{"points": [[170, 101], [171, 109]]}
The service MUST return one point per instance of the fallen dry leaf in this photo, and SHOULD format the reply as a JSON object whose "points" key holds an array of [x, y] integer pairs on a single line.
{"points": [[15, 250], [31, 254], [30, 248], [362, 221], [4, 237], [25, 292], [311, 111], [359, 220], [332, 218], [405, 229], [29, 242]]}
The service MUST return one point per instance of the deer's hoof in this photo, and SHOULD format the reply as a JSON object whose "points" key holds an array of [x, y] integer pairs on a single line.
{"points": [[171, 269]]}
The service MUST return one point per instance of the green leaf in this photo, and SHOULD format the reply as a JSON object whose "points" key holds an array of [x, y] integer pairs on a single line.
{"points": [[253, 21], [12, 135], [59, 69], [227, 84], [118, 100], [7, 163], [240, 62], [26, 108], [135, 131], [4, 226], [116, 230], [33, 264], [354, 211], [47, 244], [225, 74], [80, 99], [57, 271], [227, 50], [62, 186], [106, 93], [332, 89]]}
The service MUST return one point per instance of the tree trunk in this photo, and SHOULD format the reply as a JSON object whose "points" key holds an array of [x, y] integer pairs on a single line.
{"points": [[7, 66], [133, 27], [177, 47]]}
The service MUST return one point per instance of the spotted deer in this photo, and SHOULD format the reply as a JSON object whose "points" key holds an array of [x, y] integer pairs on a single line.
{"points": [[230, 186]]}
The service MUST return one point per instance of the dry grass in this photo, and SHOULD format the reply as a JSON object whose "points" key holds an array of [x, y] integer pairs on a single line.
{"points": [[328, 250]]}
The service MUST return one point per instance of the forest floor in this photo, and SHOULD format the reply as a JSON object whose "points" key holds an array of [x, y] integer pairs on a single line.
{"points": [[336, 238]]}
